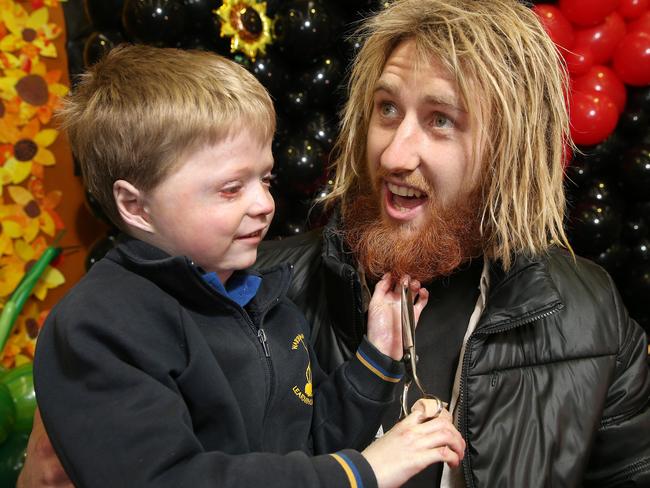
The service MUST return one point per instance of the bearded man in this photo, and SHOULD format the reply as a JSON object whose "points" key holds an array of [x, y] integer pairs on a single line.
{"points": [[450, 169]]}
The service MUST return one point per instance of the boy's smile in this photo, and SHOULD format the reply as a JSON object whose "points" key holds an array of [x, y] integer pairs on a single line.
{"points": [[215, 207]]}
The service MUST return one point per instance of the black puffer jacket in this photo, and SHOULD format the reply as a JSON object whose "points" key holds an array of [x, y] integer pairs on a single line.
{"points": [[555, 387]]}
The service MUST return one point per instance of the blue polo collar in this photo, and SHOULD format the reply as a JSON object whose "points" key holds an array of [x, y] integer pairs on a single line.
{"points": [[241, 287]]}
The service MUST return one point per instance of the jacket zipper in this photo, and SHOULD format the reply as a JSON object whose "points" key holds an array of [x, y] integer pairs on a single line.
{"points": [[462, 417], [261, 337]]}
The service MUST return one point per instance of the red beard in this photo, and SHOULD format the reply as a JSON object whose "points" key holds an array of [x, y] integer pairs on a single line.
{"points": [[450, 237]]}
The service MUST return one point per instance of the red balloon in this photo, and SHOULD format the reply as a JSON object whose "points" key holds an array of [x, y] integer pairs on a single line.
{"points": [[555, 24], [632, 59], [602, 38], [632, 9], [601, 80], [578, 59], [640, 24], [587, 12], [593, 118]]}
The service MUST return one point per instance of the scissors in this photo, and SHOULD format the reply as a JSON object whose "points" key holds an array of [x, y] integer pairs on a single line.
{"points": [[410, 357]]}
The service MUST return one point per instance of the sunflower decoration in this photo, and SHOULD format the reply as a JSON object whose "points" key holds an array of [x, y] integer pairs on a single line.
{"points": [[21, 344], [39, 209], [29, 33], [247, 25], [11, 228], [14, 267], [29, 151], [36, 90]]}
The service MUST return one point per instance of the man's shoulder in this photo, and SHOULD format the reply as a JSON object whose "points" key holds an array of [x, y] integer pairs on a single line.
{"points": [[563, 266]]}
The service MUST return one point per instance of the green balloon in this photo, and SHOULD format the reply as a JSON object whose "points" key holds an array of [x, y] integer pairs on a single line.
{"points": [[7, 413], [20, 383], [12, 458]]}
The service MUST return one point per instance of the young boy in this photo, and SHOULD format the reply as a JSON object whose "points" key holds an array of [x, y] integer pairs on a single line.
{"points": [[170, 364]]}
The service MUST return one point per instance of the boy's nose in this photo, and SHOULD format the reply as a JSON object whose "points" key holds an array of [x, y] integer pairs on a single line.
{"points": [[402, 154], [263, 203]]}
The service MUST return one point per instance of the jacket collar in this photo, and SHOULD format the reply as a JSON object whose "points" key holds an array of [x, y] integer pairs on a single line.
{"points": [[178, 276], [523, 293]]}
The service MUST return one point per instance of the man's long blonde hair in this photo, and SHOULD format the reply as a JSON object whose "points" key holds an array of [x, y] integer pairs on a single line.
{"points": [[511, 79]]}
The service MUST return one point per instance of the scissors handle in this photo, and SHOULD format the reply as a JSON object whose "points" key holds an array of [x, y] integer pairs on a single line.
{"points": [[410, 357]]}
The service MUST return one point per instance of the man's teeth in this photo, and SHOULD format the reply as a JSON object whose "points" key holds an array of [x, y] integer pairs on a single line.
{"points": [[404, 191]]}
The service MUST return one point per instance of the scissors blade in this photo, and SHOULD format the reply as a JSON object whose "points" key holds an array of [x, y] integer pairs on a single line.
{"points": [[408, 319]]}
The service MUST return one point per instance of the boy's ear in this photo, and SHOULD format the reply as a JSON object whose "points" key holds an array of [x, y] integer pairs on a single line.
{"points": [[131, 206]]}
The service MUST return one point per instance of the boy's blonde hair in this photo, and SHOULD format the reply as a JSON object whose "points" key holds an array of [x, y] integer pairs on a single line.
{"points": [[141, 110], [512, 80]]}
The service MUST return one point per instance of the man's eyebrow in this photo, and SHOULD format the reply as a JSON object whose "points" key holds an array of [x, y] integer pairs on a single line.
{"points": [[442, 100]]}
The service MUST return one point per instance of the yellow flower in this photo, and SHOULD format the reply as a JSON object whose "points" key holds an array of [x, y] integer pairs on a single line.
{"points": [[22, 341], [38, 90], [39, 211], [11, 228], [29, 151], [13, 268], [30, 34]]}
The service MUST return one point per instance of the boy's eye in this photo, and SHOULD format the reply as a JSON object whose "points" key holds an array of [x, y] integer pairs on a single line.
{"points": [[267, 180], [231, 190]]}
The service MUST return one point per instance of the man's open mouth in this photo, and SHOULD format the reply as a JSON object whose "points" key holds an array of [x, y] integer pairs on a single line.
{"points": [[405, 198]]}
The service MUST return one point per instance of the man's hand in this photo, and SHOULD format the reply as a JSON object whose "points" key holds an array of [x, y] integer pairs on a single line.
{"points": [[42, 468], [385, 314], [413, 444]]}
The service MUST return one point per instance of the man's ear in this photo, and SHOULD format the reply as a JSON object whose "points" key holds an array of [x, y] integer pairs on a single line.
{"points": [[131, 206]]}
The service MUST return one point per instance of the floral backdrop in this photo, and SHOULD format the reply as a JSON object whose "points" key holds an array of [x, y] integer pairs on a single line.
{"points": [[30, 91]]}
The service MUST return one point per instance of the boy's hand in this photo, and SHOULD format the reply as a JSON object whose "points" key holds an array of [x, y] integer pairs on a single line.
{"points": [[385, 314], [413, 444]]}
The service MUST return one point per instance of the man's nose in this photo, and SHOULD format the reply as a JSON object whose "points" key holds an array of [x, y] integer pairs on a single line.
{"points": [[403, 151]]}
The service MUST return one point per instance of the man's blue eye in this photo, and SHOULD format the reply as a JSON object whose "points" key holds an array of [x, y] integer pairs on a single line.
{"points": [[387, 109], [442, 121]]}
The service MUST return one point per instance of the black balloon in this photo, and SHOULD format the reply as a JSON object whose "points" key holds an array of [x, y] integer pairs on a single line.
{"points": [[634, 230], [270, 71], [639, 97], [322, 127], [99, 250], [633, 122], [635, 173], [104, 14], [300, 163], [594, 227], [96, 209], [98, 44], [640, 252], [295, 102], [157, 22], [636, 288], [305, 29], [605, 157], [578, 174], [598, 190], [613, 258], [322, 82]]}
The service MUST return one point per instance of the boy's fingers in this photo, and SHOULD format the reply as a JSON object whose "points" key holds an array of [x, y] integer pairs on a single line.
{"points": [[384, 284], [429, 408]]}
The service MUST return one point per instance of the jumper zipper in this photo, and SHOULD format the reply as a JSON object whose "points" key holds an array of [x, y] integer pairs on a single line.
{"points": [[462, 417], [261, 335]]}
